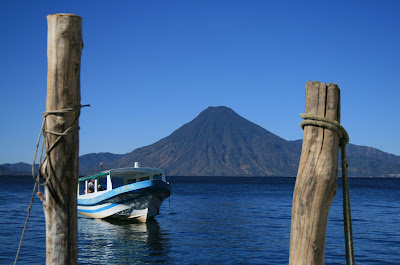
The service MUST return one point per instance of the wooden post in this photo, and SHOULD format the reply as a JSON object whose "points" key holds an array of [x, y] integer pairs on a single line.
{"points": [[316, 182], [64, 46]]}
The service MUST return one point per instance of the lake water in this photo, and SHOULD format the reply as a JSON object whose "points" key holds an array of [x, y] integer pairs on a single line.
{"points": [[216, 220]]}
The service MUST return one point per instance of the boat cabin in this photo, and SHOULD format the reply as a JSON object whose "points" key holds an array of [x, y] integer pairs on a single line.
{"points": [[107, 180]]}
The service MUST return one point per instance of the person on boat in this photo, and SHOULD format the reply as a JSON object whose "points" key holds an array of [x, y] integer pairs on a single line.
{"points": [[91, 186]]}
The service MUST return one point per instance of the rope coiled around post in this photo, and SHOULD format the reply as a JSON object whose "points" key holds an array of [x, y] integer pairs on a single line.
{"points": [[48, 150], [333, 125]]}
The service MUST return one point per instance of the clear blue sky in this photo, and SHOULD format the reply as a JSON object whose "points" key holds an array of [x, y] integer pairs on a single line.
{"points": [[148, 67]]}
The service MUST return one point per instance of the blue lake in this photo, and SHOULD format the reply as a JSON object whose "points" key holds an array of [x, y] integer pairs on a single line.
{"points": [[212, 220]]}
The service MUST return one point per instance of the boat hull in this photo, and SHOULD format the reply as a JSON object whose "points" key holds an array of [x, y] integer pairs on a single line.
{"points": [[137, 201]]}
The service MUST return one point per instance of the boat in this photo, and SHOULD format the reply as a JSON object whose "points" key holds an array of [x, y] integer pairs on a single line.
{"points": [[132, 193]]}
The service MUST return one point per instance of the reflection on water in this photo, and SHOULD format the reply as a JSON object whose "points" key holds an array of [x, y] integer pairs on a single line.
{"points": [[110, 242]]}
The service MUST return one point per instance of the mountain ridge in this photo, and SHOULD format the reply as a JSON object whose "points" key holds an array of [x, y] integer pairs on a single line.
{"points": [[219, 142]]}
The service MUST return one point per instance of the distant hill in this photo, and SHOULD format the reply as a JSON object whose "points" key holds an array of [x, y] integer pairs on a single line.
{"points": [[3, 170], [17, 169], [371, 162], [91, 162], [219, 142]]}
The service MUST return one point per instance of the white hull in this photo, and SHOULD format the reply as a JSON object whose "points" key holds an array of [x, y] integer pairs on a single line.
{"points": [[126, 202]]}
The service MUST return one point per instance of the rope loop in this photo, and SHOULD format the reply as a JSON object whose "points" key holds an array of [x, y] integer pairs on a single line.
{"points": [[45, 144], [61, 111], [326, 123], [335, 126]]}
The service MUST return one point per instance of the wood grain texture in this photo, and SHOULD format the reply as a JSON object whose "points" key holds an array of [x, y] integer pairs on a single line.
{"points": [[64, 48], [316, 182]]}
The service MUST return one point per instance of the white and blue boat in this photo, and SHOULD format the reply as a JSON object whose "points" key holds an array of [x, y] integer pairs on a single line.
{"points": [[134, 193]]}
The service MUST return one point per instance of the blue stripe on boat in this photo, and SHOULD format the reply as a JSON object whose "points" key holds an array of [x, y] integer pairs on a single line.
{"points": [[98, 210], [124, 189]]}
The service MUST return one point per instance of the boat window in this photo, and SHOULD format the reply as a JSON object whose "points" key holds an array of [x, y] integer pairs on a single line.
{"points": [[144, 178], [81, 188], [101, 184], [117, 182], [129, 181], [159, 176]]}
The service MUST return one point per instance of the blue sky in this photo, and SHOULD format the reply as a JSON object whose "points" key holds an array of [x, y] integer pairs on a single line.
{"points": [[148, 67]]}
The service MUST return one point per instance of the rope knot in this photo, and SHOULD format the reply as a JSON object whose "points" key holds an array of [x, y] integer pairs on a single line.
{"points": [[326, 123], [45, 144]]}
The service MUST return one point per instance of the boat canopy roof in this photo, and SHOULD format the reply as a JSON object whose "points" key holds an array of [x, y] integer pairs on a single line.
{"points": [[125, 173]]}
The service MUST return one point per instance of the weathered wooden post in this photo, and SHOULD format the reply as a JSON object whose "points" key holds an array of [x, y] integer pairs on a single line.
{"points": [[64, 46], [316, 182]]}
